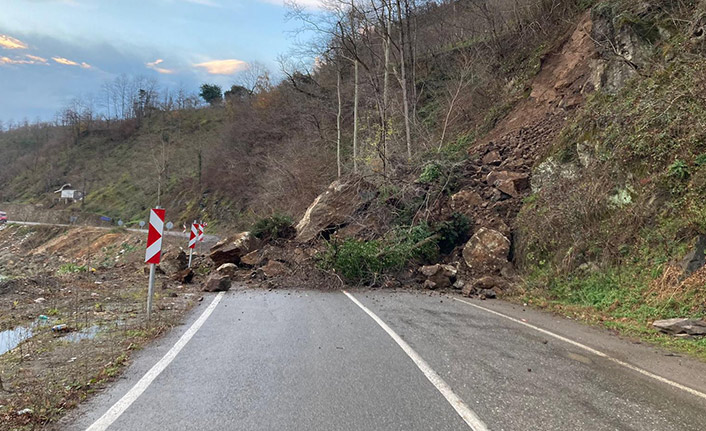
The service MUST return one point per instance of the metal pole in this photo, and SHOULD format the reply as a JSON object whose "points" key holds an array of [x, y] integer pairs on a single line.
{"points": [[191, 252], [150, 291]]}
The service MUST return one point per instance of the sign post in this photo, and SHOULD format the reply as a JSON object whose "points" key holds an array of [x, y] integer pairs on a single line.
{"points": [[192, 240], [154, 250], [200, 225]]}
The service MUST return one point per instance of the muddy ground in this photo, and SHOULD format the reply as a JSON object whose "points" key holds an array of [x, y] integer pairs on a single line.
{"points": [[94, 283]]}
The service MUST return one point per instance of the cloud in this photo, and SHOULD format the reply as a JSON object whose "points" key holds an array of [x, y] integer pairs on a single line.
{"points": [[36, 58], [308, 4], [155, 66], [27, 59], [67, 62], [9, 42], [223, 67], [204, 2]]}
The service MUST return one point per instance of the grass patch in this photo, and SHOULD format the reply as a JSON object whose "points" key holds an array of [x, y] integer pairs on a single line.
{"points": [[626, 299]]}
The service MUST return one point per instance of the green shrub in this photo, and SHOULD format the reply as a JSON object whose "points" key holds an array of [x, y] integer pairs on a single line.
{"points": [[430, 173], [274, 227], [679, 170], [700, 160], [361, 262], [453, 232], [71, 268]]}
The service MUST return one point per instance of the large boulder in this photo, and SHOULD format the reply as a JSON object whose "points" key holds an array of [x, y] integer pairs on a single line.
{"points": [[681, 326], [231, 249], [217, 283], [334, 208], [487, 250]]}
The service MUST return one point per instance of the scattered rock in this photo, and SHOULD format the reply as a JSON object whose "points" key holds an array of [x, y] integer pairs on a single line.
{"points": [[217, 283], [487, 294], [227, 269], [230, 250], [696, 258], [488, 249], [252, 259], [184, 276], [681, 326], [465, 201], [459, 284], [489, 282], [333, 208], [274, 268], [39, 300], [173, 262], [510, 183], [25, 412], [439, 276], [492, 158]]}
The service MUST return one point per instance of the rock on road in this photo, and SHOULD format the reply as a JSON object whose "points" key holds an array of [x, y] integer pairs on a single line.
{"points": [[311, 360]]}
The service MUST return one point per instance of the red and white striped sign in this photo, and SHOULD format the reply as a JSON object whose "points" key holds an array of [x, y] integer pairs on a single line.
{"points": [[194, 235], [154, 236], [201, 227]]}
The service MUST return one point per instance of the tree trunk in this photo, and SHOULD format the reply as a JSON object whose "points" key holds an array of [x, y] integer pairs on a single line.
{"points": [[338, 120], [355, 118], [385, 85], [405, 100]]}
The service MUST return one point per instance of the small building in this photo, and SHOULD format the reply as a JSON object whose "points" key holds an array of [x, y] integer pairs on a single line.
{"points": [[69, 194]]}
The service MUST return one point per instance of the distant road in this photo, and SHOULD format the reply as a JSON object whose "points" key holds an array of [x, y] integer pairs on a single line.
{"points": [[209, 240], [252, 359]]}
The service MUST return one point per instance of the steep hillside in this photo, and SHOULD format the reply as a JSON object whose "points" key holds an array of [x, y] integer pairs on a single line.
{"points": [[555, 151]]}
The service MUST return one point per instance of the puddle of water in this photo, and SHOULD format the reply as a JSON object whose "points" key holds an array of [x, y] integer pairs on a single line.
{"points": [[84, 334], [13, 337]]}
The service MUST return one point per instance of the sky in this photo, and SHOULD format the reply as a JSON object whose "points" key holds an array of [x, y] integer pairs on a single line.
{"points": [[54, 50]]}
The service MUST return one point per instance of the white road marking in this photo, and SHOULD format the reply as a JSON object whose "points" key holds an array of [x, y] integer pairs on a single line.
{"points": [[456, 402], [591, 350], [133, 394]]}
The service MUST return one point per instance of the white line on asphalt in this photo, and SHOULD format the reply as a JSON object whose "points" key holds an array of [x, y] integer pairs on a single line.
{"points": [[591, 350], [456, 402], [119, 408]]}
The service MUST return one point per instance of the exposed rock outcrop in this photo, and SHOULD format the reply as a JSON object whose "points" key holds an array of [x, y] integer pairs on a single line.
{"points": [[623, 51]]}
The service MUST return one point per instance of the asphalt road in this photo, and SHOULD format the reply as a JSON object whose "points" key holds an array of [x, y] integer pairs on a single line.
{"points": [[209, 240], [309, 360]]}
